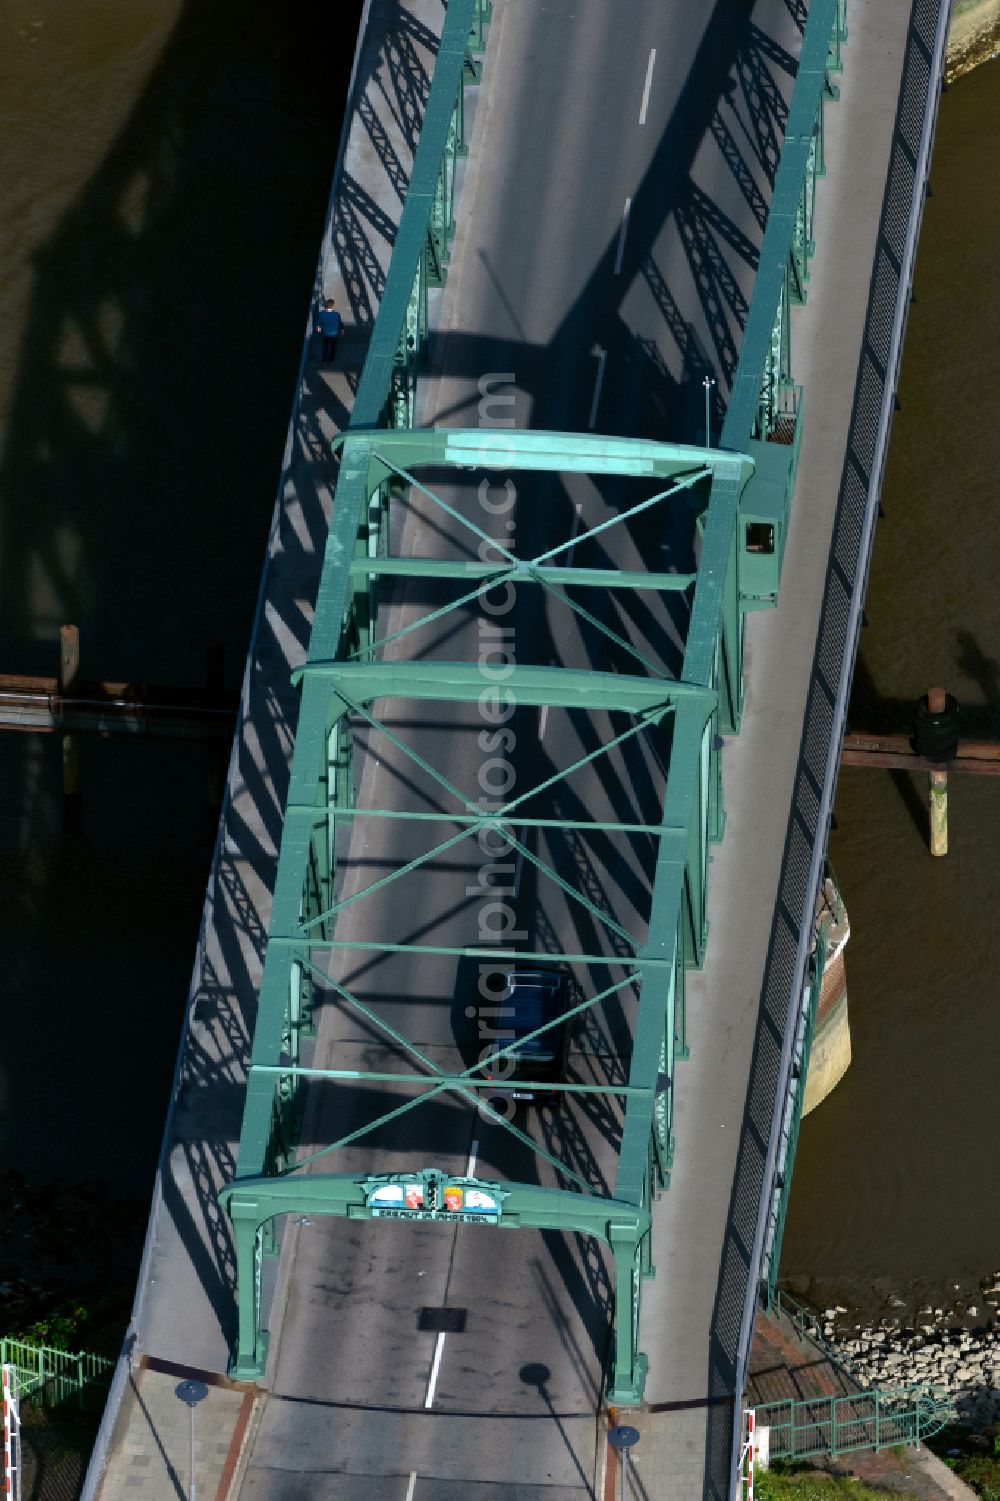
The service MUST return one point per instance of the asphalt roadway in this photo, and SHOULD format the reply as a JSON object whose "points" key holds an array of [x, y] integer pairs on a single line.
{"points": [[611, 217]]}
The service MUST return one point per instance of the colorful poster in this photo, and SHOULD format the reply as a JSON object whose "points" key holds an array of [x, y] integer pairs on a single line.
{"points": [[390, 1194], [479, 1202], [401, 1199]]}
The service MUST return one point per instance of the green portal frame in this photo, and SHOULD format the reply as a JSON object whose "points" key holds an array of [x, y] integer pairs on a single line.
{"points": [[749, 481]]}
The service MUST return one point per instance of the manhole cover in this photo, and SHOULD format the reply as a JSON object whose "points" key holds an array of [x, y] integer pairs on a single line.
{"points": [[442, 1320]]}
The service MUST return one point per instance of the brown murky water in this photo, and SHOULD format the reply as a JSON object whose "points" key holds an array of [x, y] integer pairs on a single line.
{"points": [[897, 1180], [164, 171]]}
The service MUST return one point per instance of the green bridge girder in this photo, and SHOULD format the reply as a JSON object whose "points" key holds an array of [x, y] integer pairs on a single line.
{"points": [[743, 486]]}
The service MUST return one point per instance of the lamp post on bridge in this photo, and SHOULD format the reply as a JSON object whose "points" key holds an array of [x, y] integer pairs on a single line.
{"points": [[622, 1438], [708, 383], [191, 1393]]}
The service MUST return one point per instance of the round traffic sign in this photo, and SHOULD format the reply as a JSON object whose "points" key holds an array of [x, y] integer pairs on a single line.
{"points": [[622, 1436], [191, 1392]]}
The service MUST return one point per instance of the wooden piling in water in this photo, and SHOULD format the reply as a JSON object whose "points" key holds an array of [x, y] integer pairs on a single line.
{"points": [[69, 671], [936, 747], [936, 701]]}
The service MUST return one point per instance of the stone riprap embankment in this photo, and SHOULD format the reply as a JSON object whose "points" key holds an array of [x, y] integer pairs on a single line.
{"points": [[953, 1345], [974, 35]]}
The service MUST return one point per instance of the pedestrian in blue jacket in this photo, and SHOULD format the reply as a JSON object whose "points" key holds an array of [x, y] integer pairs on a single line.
{"points": [[328, 324]]}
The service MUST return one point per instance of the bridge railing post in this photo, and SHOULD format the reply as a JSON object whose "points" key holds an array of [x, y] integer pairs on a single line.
{"points": [[477, 36]]}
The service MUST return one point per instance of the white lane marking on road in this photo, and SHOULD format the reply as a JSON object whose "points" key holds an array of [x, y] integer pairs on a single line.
{"points": [[411, 1487], [645, 91], [602, 357], [620, 255], [435, 1367], [470, 1171]]}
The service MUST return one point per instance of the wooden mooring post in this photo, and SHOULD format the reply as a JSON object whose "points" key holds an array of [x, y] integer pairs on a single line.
{"points": [[69, 706], [69, 671], [936, 702]]}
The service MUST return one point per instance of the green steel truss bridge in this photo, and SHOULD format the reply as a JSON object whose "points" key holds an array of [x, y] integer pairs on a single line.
{"points": [[737, 494], [628, 1235]]}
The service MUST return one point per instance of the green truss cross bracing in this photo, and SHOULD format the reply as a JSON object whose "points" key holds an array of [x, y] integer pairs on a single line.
{"points": [[343, 677], [741, 490]]}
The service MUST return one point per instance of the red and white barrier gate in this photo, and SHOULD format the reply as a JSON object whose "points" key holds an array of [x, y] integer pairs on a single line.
{"points": [[11, 1436], [755, 1452], [747, 1453]]}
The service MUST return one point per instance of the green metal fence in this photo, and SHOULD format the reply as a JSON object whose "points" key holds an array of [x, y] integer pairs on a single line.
{"points": [[807, 1326], [875, 1419], [50, 1376]]}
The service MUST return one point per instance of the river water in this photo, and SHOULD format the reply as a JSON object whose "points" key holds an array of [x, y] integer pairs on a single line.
{"points": [[164, 168], [896, 1184]]}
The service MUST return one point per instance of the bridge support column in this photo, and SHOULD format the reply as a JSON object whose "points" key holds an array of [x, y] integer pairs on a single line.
{"points": [[251, 1341], [628, 1377], [646, 1243]]}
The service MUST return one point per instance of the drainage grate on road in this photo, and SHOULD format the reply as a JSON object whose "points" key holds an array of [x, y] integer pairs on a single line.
{"points": [[442, 1320]]}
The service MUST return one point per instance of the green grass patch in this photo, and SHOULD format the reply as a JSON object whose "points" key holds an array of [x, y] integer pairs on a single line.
{"points": [[974, 1457], [981, 1473]]}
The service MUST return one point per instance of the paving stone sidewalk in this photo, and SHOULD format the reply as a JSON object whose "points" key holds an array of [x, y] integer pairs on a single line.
{"points": [[150, 1448]]}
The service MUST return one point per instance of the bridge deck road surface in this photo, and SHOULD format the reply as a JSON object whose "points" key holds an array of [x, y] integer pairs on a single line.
{"points": [[604, 258]]}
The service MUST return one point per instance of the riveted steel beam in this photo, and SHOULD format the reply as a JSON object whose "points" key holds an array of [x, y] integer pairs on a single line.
{"points": [[446, 1081], [388, 451], [462, 682], [589, 578]]}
